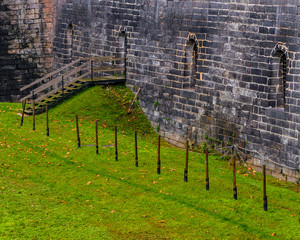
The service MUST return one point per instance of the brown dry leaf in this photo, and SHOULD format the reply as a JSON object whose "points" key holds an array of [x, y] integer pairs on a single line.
{"points": [[161, 221], [273, 234]]}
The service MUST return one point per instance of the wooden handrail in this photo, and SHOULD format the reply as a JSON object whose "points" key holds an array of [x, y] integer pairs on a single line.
{"points": [[83, 67], [49, 75]]}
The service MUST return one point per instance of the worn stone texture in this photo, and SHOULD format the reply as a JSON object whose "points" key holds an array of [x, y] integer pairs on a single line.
{"points": [[26, 43], [247, 70]]}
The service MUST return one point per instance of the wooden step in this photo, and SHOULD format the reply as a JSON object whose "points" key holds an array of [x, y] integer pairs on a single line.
{"points": [[77, 84], [36, 107], [41, 103], [109, 70], [106, 78], [49, 99], [70, 88], [55, 95]]}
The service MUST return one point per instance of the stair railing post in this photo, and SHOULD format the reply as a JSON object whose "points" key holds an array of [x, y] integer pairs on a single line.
{"points": [[50, 79], [92, 71], [80, 63], [62, 84]]}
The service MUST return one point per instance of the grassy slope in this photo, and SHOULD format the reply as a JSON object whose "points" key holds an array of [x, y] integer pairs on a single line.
{"points": [[51, 189]]}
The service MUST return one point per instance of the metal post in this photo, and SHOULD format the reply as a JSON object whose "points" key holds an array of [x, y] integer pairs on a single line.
{"points": [[158, 156], [78, 136], [23, 112], [234, 177], [47, 121], [116, 143], [33, 115], [97, 146], [265, 189], [206, 167], [62, 84], [92, 71], [136, 149], [186, 161]]}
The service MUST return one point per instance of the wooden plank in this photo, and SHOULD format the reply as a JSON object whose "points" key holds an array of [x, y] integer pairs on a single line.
{"points": [[111, 70], [77, 84], [76, 70], [55, 95], [84, 75], [106, 78], [49, 99], [131, 105], [41, 103], [106, 67], [47, 94], [70, 88]]}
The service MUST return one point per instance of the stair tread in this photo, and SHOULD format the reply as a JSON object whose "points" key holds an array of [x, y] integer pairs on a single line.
{"points": [[70, 88], [49, 99], [77, 84], [56, 95]]}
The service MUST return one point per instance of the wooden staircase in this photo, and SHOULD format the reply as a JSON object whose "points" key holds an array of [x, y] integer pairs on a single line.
{"points": [[60, 84]]}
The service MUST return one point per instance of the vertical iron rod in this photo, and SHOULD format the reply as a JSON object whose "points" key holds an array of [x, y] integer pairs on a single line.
{"points": [[186, 161], [265, 189], [62, 84], [206, 167], [136, 149], [78, 136], [116, 143], [234, 177], [158, 156], [23, 112], [97, 144], [92, 71], [47, 121], [33, 115]]}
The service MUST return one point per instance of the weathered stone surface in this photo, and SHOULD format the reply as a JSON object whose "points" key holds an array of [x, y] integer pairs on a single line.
{"points": [[247, 88], [26, 33]]}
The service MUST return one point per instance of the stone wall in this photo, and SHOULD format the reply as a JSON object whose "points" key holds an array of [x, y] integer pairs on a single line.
{"points": [[26, 36], [217, 71]]}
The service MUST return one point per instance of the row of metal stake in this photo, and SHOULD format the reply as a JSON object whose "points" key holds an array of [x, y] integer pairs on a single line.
{"points": [[186, 161], [158, 155]]}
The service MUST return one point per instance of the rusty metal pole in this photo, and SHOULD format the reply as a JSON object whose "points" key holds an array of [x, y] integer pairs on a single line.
{"points": [[158, 155], [47, 122], [33, 115], [116, 143], [186, 161], [234, 177], [62, 85], [97, 143], [78, 136], [92, 71], [136, 149], [206, 169], [23, 112], [265, 189]]}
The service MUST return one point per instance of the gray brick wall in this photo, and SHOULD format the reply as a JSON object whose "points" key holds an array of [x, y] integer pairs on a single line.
{"points": [[247, 87], [238, 91], [26, 33]]}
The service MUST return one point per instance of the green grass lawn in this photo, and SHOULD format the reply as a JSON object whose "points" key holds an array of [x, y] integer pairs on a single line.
{"points": [[50, 189]]}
